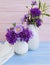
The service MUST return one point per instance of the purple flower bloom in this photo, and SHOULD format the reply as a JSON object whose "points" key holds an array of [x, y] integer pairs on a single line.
{"points": [[25, 17], [25, 35], [11, 36], [38, 22], [34, 3], [35, 12], [18, 29]]}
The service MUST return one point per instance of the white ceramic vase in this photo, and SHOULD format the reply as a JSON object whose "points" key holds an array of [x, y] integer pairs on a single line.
{"points": [[33, 43], [20, 47]]}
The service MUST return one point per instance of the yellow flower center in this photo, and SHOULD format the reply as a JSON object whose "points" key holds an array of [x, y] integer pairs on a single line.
{"points": [[18, 29]]}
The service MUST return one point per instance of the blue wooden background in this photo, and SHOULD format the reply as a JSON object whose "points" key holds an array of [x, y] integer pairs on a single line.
{"points": [[41, 56]]}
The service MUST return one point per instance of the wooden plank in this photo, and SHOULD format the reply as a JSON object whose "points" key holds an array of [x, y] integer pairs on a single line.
{"points": [[13, 10]]}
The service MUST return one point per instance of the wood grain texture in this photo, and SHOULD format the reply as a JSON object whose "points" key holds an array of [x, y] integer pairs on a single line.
{"points": [[13, 10], [41, 56]]}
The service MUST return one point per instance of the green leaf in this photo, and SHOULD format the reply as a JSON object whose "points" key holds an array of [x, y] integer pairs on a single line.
{"points": [[32, 5], [44, 7], [14, 24], [46, 14], [36, 17], [39, 4]]}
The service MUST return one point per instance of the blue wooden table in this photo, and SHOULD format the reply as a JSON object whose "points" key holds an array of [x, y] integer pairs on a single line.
{"points": [[39, 57]]}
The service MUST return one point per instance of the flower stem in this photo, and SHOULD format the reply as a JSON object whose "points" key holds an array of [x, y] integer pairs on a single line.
{"points": [[46, 14]]}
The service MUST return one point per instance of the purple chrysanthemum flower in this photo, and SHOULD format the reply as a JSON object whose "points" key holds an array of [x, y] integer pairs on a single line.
{"points": [[38, 22], [11, 36], [33, 3], [18, 29], [35, 12], [25, 35]]}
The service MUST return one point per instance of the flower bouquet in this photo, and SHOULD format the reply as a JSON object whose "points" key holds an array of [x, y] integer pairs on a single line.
{"points": [[34, 21], [19, 37], [27, 37]]}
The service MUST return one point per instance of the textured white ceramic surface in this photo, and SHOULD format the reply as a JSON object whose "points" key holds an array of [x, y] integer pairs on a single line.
{"points": [[33, 43], [20, 47]]}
